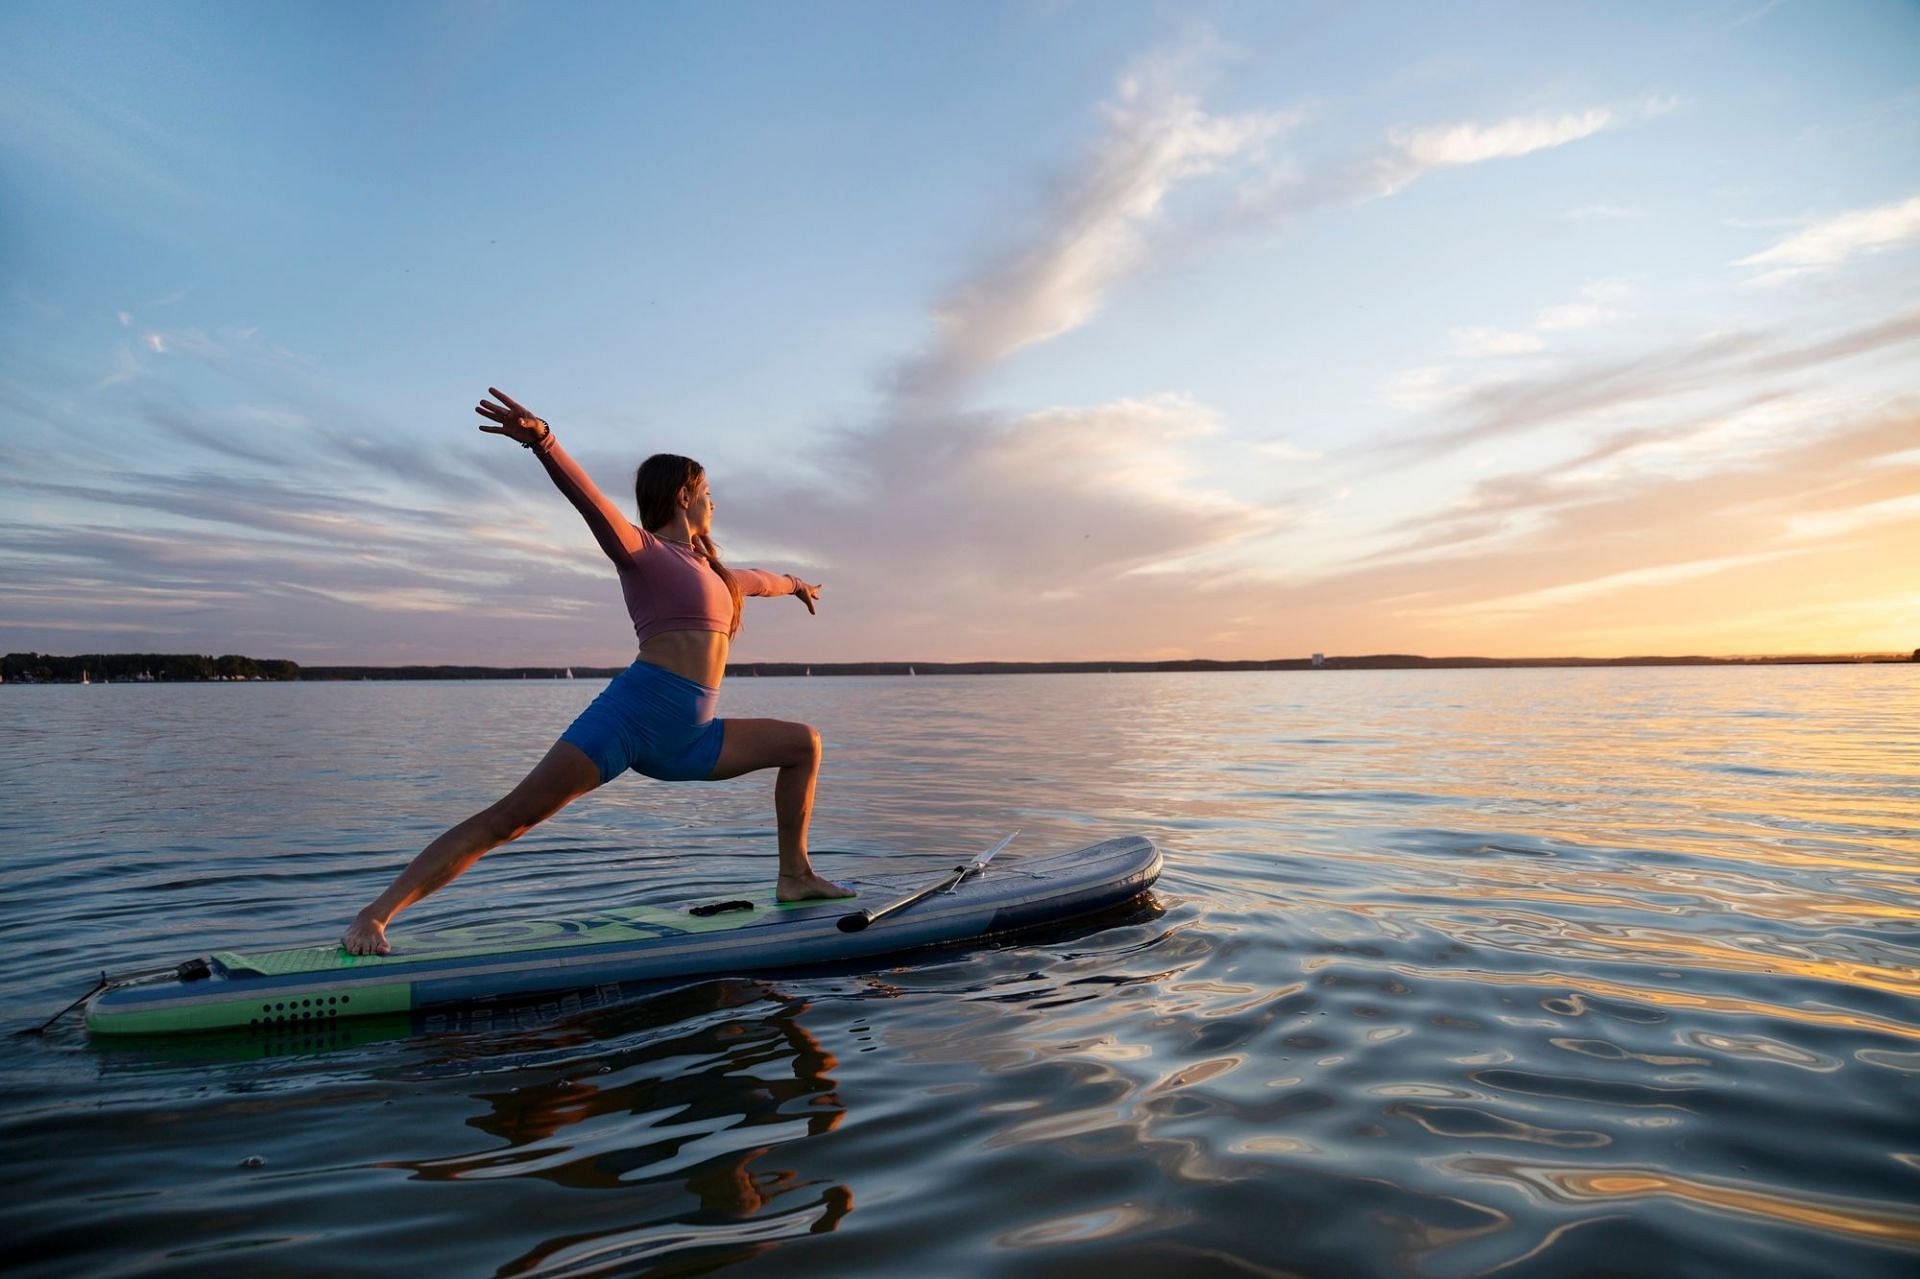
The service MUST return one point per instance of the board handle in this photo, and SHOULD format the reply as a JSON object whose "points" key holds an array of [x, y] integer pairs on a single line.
{"points": [[855, 922]]}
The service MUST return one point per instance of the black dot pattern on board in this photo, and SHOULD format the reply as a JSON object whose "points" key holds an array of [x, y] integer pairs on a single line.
{"points": [[299, 1011]]}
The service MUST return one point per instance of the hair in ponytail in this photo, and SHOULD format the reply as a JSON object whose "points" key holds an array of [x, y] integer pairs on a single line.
{"points": [[704, 544], [656, 489]]}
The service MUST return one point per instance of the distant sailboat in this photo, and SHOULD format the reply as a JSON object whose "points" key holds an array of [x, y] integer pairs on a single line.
{"points": [[911, 671], [569, 672], [84, 679]]}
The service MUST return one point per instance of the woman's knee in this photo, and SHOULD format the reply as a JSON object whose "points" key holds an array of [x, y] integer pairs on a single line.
{"points": [[563, 776], [519, 813], [806, 742]]}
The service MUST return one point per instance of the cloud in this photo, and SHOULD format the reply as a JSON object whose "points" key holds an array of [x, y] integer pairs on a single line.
{"points": [[1513, 508], [1551, 597], [1403, 157], [1904, 458], [1894, 331], [299, 419], [1491, 410], [126, 367], [1023, 533], [289, 522], [345, 592], [1833, 241], [1591, 312], [263, 505], [1286, 451], [1821, 525], [1010, 502], [1092, 233], [1575, 315], [1694, 544], [1038, 515], [1457, 144], [1423, 389], [1050, 515], [302, 523], [1479, 343], [415, 599], [1411, 153], [1434, 387]]}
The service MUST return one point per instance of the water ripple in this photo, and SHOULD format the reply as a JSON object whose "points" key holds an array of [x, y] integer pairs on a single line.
{"points": [[1450, 974]]}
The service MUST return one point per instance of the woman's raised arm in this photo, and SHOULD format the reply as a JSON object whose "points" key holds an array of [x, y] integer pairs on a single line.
{"points": [[615, 533]]}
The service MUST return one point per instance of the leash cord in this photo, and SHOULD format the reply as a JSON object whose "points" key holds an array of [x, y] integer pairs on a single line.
{"points": [[191, 970]]}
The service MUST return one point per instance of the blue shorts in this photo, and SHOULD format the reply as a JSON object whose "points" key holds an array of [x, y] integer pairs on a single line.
{"points": [[654, 722]]}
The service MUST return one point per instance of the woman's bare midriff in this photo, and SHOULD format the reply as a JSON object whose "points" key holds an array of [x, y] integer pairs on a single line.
{"points": [[700, 656]]}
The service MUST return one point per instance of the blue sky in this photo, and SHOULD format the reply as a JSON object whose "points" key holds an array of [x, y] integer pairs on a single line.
{"points": [[1033, 330]]}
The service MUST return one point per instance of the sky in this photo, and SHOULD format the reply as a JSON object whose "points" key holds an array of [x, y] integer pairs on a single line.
{"points": [[1033, 331]]}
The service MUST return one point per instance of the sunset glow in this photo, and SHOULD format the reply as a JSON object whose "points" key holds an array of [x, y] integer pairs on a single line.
{"points": [[1045, 331]]}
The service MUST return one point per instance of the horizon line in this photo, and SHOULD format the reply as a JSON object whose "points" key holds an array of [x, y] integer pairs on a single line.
{"points": [[1855, 655]]}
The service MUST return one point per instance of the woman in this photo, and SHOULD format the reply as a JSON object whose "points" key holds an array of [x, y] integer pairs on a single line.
{"points": [[657, 715]]}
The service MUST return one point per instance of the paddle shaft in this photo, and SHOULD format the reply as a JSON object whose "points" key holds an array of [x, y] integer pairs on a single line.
{"points": [[860, 919]]}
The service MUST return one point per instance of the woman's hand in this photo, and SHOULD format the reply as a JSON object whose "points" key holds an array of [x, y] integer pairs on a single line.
{"points": [[514, 422], [366, 935], [807, 593]]}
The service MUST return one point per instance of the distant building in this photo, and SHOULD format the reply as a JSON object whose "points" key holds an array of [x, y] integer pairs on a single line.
{"points": [[1319, 659]]}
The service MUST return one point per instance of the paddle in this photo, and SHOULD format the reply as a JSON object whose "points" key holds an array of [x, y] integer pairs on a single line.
{"points": [[860, 919]]}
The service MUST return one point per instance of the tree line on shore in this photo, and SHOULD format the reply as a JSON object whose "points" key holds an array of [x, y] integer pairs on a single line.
{"points": [[140, 668], [143, 668]]}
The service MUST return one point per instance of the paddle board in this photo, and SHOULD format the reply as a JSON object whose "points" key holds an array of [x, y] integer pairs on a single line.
{"points": [[318, 985]]}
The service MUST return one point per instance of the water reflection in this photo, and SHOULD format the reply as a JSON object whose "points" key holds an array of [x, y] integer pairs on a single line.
{"points": [[1453, 973], [1884, 1222], [661, 1108], [688, 1123]]}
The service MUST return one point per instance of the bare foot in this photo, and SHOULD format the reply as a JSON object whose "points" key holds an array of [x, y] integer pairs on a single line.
{"points": [[808, 887], [364, 937]]}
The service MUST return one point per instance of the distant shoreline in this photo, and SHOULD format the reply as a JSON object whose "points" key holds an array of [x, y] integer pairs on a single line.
{"points": [[39, 668], [1375, 662]]}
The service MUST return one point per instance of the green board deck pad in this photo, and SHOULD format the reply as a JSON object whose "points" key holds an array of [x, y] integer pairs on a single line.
{"points": [[246, 987]]}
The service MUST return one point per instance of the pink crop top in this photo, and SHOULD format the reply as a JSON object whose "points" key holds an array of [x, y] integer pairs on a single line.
{"points": [[667, 587]]}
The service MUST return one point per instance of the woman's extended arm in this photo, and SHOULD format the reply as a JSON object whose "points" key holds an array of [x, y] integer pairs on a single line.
{"points": [[616, 535], [757, 581]]}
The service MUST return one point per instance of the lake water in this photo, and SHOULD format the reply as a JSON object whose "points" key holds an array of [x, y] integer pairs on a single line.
{"points": [[1515, 972]]}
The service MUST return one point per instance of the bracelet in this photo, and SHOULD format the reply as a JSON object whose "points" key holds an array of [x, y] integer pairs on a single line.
{"points": [[544, 444]]}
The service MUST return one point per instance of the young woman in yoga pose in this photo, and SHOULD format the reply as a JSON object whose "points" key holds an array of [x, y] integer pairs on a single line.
{"points": [[656, 717]]}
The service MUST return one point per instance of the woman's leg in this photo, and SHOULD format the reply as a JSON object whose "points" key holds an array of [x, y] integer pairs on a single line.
{"points": [[564, 775], [753, 744]]}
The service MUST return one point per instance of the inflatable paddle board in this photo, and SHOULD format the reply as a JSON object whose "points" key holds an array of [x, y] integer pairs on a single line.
{"points": [[317, 985]]}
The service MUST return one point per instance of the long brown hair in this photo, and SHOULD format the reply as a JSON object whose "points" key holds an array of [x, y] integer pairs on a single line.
{"points": [[656, 488]]}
